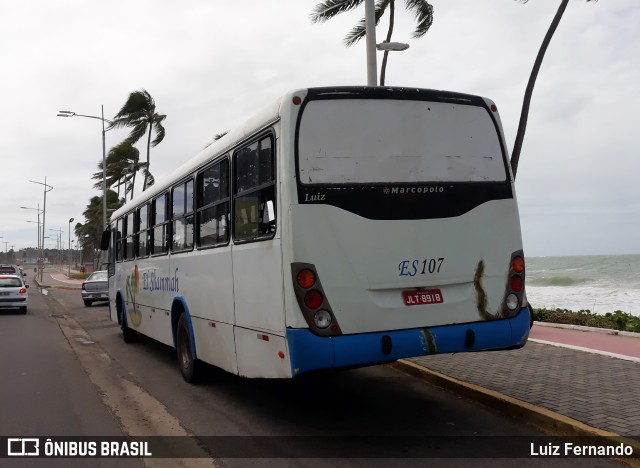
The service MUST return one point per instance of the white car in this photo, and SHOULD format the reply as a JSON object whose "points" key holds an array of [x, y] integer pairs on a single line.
{"points": [[13, 293]]}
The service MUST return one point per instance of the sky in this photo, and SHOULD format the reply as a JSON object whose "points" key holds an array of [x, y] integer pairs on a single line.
{"points": [[211, 64]]}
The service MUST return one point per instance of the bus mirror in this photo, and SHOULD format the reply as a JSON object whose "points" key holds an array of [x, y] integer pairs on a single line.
{"points": [[104, 242]]}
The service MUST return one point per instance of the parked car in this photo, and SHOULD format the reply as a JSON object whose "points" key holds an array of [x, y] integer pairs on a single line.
{"points": [[95, 288], [10, 270], [13, 293]]}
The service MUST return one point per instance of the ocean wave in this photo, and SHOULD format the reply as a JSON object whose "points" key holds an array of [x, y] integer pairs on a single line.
{"points": [[557, 281], [598, 300]]}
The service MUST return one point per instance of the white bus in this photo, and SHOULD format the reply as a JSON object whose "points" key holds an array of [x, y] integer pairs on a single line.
{"points": [[338, 227]]}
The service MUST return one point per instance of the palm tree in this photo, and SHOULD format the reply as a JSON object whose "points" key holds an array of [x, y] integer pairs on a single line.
{"points": [[119, 160], [526, 103], [139, 113], [90, 232], [421, 10]]}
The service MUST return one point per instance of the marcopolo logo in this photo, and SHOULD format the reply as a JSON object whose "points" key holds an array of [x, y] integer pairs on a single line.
{"points": [[412, 190]]}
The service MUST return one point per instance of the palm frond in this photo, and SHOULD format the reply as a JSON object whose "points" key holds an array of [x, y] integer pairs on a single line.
{"points": [[137, 132], [359, 31], [150, 180], [423, 12], [159, 129], [137, 101], [326, 10]]}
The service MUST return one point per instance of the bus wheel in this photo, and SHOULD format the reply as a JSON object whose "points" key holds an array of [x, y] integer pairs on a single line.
{"points": [[128, 334], [189, 366]]}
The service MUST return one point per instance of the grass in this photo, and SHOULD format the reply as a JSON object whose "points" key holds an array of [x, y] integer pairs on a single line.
{"points": [[617, 320], [80, 276]]}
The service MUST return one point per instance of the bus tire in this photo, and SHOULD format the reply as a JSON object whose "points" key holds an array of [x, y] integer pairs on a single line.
{"points": [[189, 366], [129, 335]]}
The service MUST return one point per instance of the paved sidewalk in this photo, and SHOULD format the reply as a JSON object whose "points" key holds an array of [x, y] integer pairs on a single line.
{"points": [[52, 278], [598, 390]]}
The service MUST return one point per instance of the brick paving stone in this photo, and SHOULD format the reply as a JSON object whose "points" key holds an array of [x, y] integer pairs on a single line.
{"points": [[598, 390]]}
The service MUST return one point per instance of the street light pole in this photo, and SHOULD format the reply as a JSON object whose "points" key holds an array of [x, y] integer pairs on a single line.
{"points": [[47, 188], [104, 156], [370, 39], [69, 256], [39, 243]]}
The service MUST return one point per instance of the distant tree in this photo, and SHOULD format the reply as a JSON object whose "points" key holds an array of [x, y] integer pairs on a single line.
{"points": [[420, 9], [526, 103], [216, 137], [139, 113], [89, 233]]}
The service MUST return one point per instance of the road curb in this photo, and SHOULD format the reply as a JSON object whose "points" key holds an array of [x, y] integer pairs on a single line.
{"points": [[605, 331], [48, 286], [541, 418]]}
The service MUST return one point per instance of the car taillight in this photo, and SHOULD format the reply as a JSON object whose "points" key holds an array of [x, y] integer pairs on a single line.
{"points": [[23, 291]]}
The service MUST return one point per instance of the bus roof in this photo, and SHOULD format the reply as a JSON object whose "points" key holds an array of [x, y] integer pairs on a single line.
{"points": [[271, 113]]}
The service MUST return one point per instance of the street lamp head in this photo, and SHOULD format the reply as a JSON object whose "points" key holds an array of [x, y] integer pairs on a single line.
{"points": [[71, 220], [66, 114], [394, 46]]}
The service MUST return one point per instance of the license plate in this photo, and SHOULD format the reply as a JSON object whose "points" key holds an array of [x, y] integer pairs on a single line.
{"points": [[4, 293], [427, 296]]}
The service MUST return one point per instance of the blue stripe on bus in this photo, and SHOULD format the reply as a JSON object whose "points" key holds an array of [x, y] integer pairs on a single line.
{"points": [[311, 352]]}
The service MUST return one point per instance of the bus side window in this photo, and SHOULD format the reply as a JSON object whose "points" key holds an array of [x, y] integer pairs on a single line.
{"points": [[213, 205], [142, 237], [118, 240], [254, 191], [159, 234], [182, 216]]}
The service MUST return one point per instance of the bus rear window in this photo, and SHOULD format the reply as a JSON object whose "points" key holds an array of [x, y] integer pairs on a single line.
{"points": [[347, 141]]}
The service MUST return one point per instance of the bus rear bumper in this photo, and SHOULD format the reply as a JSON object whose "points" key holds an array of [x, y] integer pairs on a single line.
{"points": [[311, 352]]}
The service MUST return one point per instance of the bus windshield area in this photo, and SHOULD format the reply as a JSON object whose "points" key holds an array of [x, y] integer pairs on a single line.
{"points": [[368, 141]]}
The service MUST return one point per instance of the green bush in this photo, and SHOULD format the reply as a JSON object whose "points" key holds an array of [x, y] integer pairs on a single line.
{"points": [[617, 320]]}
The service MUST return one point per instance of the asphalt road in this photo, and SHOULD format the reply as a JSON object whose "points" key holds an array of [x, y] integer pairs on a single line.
{"points": [[67, 371], [44, 390]]}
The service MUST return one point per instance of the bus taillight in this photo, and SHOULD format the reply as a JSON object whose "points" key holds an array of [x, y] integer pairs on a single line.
{"points": [[313, 303], [306, 278], [515, 285], [322, 319], [517, 264], [313, 299]]}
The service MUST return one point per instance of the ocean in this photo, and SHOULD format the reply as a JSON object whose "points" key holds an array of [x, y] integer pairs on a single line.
{"points": [[599, 283]]}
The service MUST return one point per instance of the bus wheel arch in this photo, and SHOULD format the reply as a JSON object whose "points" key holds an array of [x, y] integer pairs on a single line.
{"points": [[184, 341]]}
